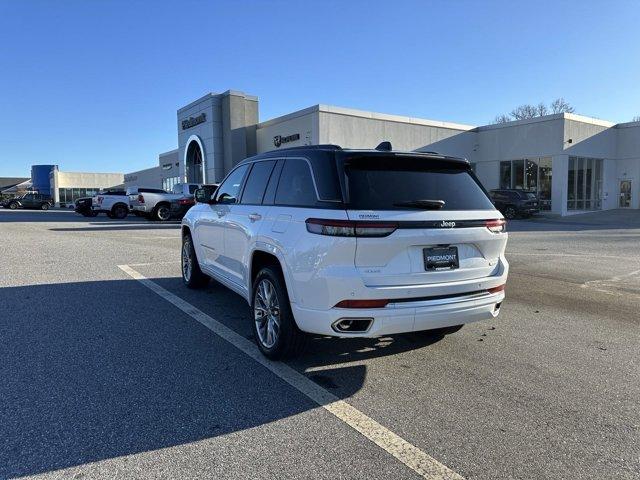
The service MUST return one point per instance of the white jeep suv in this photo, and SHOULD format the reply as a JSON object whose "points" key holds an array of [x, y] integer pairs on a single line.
{"points": [[349, 243]]}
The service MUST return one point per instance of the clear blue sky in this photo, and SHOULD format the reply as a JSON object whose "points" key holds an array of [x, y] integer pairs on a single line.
{"points": [[94, 85]]}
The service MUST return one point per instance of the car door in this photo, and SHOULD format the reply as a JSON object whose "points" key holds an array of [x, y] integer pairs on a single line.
{"points": [[244, 220], [211, 222], [28, 201]]}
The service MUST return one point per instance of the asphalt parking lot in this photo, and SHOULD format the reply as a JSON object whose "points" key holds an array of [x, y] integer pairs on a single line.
{"points": [[109, 367]]}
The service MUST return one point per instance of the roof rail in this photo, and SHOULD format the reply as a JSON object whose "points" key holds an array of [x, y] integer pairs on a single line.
{"points": [[326, 146]]}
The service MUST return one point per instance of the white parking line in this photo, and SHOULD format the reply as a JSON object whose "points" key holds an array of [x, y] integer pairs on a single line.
{"points": [[541, 254], [610, 285], [147, 264], [414, 458]]}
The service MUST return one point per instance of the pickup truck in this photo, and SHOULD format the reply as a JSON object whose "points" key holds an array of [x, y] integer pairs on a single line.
{"points": [[115, 203], [154, 203]]}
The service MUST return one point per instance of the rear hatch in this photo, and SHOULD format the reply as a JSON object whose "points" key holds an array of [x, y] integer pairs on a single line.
{"points": [[435, 222]]}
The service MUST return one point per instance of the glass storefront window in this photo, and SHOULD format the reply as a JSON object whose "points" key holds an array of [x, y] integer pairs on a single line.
{"points": [[584, 184], [505, 174], [168, 183], [531, 174], [517, 170], [544, 183]]}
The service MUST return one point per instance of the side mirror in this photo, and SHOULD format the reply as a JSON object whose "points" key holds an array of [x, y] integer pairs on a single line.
{"points": [[205, 194]]}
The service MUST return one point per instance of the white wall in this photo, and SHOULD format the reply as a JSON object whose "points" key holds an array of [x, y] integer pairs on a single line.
{"points": [[305, 124], [82, 180], [149, 177], [357, 129], [539, 137]]}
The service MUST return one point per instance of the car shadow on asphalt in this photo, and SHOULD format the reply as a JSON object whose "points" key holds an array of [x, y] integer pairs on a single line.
{"points": [[113, 228], [97, 370], [320, 353]]}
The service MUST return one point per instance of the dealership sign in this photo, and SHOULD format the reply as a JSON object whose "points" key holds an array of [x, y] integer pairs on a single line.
{"points": [[279, 140], [193, 121]]}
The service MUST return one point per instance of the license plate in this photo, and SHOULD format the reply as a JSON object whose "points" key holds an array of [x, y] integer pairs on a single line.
{"points": [[441, 258]]}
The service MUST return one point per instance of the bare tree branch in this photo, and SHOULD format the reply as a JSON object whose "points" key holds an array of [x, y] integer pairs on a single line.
{"points": [[523, 112], [502, 118], [541, 109], [560, 105]]}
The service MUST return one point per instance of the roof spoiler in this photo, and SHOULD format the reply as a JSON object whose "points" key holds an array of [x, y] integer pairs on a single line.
{"points": [[384, 147]]}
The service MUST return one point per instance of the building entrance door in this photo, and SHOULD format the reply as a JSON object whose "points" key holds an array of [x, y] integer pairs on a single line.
{"points": [[625, 193]]}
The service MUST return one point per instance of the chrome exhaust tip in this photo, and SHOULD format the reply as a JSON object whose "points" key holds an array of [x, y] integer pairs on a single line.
{"points": [[352, 325]]}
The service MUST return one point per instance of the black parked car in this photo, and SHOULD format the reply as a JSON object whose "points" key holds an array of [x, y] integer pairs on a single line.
{"points": [[180, 206], [83, 207], [513, 202], [30, 200]]}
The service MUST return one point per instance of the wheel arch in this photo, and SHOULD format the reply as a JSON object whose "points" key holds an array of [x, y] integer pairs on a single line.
{"points": [[119, 203], [268, 256]]}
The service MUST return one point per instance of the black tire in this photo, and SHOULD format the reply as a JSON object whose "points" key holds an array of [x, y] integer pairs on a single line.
{"points": [[44, 206], [162, 212], [13, 205], [93, 214], [289, 339], [510, 212], [192, 277], [119, 211]]}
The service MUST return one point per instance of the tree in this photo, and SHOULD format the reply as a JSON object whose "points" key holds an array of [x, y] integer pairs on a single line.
{"points": [[523, 112], [560, 105], [635, 119]]}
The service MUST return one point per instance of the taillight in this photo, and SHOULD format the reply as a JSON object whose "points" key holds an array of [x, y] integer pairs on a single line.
{"points": [[362, 304], [349, 228], [499, 288], [186, 201], [140, 199], [496, 226], [100, 200]]}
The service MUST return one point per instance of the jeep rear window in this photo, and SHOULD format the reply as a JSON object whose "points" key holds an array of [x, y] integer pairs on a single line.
{"points": [[381, 183]]}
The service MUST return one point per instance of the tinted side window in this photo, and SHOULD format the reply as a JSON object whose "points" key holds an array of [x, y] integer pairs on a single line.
{"points": [[229, 191], [270, 194], [257, 182], [514, 195], [296, 185]]}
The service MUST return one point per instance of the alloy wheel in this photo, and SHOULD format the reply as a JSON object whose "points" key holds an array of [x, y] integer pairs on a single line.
{"points": [[187, 261], [266, 313], [163, 213]]}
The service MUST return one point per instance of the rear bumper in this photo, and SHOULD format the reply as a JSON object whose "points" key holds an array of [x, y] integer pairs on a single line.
{"points": [[403, 317], [179, 211], [442, 304], [138, 208], [529, 210]]}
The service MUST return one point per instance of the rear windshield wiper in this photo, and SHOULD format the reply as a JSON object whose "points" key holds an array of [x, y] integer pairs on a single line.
{"points": [[426, 204]]}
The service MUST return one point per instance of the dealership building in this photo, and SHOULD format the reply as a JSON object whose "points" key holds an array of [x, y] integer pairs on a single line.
{"points": [[574, 163]]}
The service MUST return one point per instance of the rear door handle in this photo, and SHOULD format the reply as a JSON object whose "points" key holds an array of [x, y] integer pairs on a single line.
{"points": [[254, 217]]}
